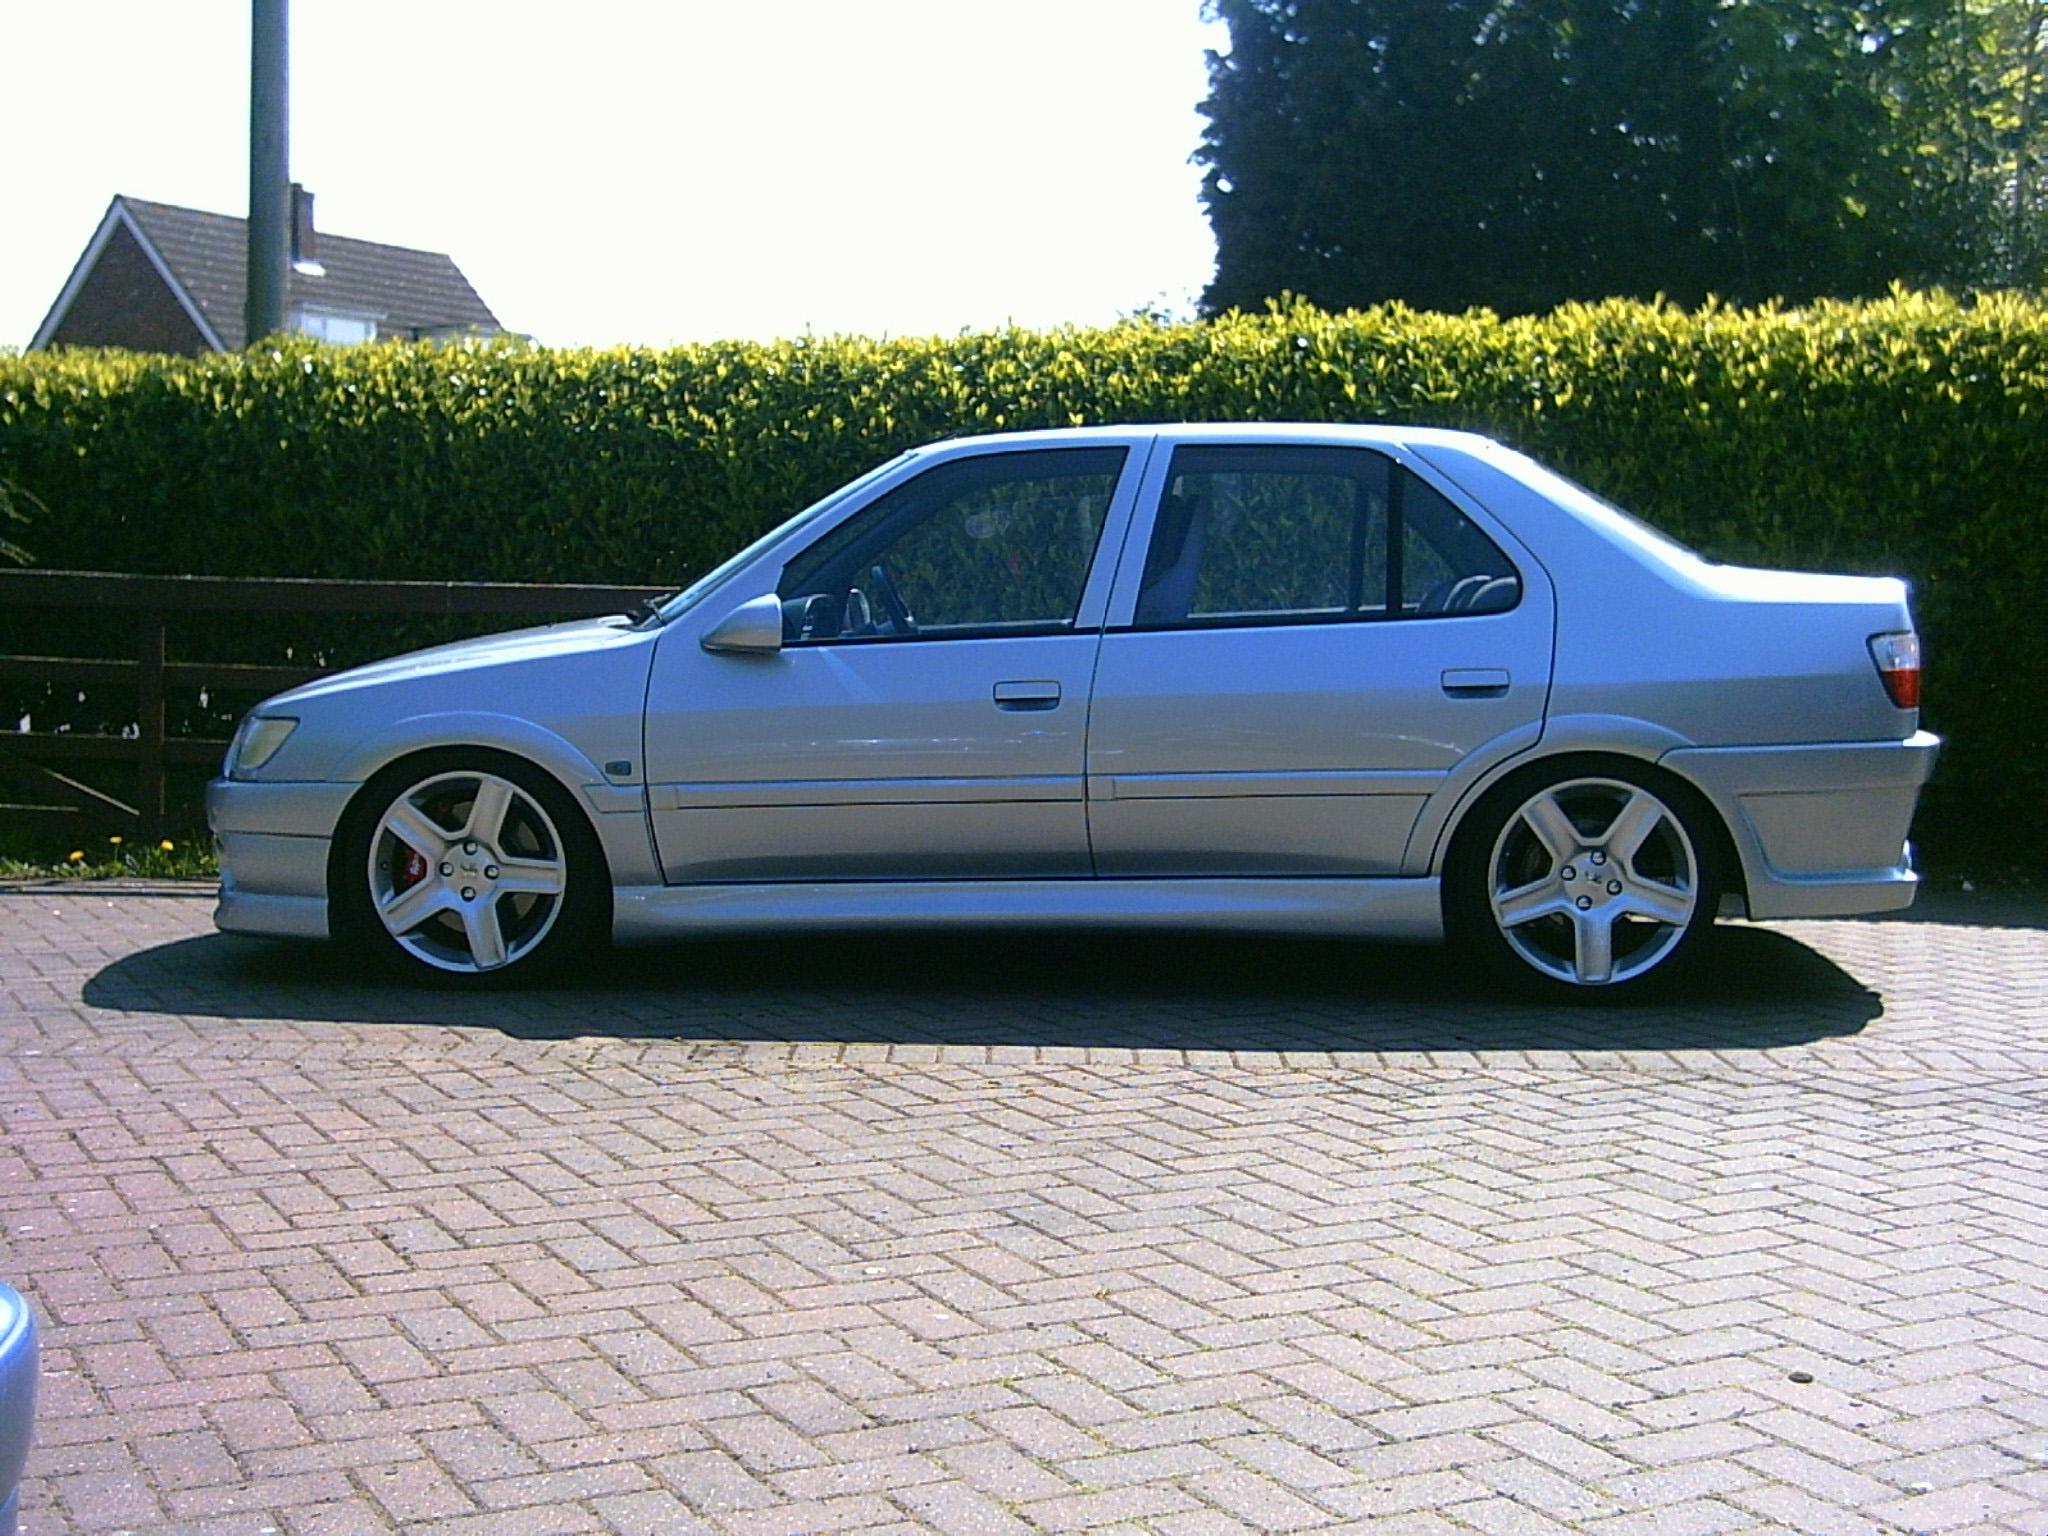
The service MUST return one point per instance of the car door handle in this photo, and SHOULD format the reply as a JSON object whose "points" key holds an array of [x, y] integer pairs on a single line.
{"points": [[1027, 695], [1476, 682]]}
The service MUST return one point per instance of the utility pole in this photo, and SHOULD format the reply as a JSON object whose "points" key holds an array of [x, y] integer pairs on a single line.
{"points": [[270, 190]]}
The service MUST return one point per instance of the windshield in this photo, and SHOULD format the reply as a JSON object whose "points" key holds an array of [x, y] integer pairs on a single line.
{"points": [[691, 595]]}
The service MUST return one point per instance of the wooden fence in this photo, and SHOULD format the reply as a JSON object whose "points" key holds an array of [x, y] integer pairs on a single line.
{"points": [[26, 756]]}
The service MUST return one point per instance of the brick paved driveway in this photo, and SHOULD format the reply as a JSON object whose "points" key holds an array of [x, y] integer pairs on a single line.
{"points": [[1181, 1237]]}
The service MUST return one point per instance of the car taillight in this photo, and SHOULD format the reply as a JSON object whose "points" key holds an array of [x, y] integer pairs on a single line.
{"points": [[1898, 664]]}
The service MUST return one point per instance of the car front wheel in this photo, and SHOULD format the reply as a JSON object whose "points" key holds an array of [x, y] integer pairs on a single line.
{"points": [[1586, 885], [469, 867]]}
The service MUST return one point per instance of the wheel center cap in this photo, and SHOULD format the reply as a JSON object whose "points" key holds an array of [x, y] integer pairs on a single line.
{"points": [[1593, 876]]}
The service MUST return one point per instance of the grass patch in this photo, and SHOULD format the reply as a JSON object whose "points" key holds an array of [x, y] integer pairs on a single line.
{"points": [[109, 858]]}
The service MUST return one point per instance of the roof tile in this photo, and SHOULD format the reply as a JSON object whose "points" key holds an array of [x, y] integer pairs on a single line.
{"points": [[409, 291]]}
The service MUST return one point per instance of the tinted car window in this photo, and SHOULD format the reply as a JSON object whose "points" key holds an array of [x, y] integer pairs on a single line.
{"points": [[1447, 564], [999, 544], [1275, 534]]}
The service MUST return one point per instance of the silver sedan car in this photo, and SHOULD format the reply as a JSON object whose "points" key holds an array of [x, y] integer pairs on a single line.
{"points": [[1377, 681]]}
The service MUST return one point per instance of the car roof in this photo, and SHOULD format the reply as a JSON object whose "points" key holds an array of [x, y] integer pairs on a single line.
{"points": [[1358, 433]]}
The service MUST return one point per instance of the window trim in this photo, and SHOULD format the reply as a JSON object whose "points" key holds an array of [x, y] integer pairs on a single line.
{"points": [[1397, 542], [1159, 476], [306, 312], [1020, 632]]}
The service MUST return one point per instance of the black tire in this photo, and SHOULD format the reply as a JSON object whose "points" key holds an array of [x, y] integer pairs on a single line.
{"points": [[1499, 852], [577, 920]]}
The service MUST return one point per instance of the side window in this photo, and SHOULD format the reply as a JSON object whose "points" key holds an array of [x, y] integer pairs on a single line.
{"points": [[995, 545], [1266, 533], [1447, 564], [1276, 534]]}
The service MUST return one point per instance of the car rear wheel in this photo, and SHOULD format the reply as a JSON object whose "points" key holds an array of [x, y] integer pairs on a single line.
{"points": [[1590, 885], [470, 868]]}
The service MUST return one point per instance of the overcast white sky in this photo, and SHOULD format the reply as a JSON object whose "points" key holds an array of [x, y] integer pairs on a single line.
{"points": [[652, 172]]}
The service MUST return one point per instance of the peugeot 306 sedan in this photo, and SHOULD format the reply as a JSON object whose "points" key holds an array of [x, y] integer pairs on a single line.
{"points": [[1377, 681]]}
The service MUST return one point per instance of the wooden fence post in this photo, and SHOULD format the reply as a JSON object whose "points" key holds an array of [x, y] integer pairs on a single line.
{"points": [[149, 719]]}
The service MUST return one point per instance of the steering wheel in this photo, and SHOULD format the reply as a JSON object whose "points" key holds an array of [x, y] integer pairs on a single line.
{"points": [[858, 616], [893, 606]]}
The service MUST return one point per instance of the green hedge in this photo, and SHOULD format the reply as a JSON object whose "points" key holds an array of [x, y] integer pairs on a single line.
{"points": [[1907, 435]]}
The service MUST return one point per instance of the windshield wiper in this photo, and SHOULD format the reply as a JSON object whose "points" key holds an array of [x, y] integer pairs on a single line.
{"points": [[646, 608]]}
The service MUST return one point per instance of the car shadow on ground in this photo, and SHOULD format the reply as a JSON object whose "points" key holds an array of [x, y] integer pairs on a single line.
{"points": [[1756, 989]]}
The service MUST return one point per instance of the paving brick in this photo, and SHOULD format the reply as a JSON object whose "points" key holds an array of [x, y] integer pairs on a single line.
{"points": [[651, 1512], [1824, 1480], [712, 1480], [1259, 1501], [1689, 1444], [878, 1474], [1188, 1238], [954, 1509], [1132, 1468], [998, 1469], [1095, 1511], [1503, 1516], [1948, 1508], [802, 1517], [1697, 1517]]}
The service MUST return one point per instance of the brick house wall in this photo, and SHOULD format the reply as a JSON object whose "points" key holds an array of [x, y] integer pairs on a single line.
{"points": [[125, 303]]}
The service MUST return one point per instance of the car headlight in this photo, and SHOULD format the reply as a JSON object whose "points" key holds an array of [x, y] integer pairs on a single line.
{"points": [[256, 743]]}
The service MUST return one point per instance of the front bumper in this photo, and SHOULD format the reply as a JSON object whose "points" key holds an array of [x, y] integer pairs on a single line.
{"points": [[1821, 829], [273, 841]]}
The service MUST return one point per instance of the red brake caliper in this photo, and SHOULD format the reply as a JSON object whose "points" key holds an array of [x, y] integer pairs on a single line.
{"points": [[413, 871]]}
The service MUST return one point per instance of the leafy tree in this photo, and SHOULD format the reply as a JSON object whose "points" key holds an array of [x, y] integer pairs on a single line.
{"points": [[1972, 98], [1518, 153]]}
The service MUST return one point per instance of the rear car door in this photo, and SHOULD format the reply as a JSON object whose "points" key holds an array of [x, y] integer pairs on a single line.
{"points": [[926, 715], [1314, 636]]}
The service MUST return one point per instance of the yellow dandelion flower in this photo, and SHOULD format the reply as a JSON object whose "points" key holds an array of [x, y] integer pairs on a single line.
{"points": [[77, 856], [116, 841], [167, 845]]}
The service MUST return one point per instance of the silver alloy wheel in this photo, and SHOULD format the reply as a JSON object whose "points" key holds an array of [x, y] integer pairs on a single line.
{"points": [[1593, 881], [467, 871]]}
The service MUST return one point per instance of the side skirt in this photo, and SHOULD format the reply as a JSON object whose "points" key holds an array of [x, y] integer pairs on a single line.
{"points": [[1391, 908]]}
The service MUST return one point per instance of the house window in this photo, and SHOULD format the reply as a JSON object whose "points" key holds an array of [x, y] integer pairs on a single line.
{"points": [[325, 325]]}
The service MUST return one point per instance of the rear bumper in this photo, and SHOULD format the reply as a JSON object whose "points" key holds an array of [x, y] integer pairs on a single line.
{"points": [[273, 840], [1820, 830]]}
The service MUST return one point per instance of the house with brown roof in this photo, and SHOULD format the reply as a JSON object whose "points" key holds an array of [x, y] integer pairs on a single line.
{"points": [[157, 278]]}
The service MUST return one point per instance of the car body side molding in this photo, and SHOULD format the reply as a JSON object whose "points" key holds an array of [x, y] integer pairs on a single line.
{"points": [[1381, 908]]}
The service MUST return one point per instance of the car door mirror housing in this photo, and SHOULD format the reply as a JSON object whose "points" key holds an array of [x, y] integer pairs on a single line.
{"points": [[752, 629]]}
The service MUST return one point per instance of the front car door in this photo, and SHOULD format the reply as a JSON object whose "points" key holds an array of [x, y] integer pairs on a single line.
{"points": [[1316, 634], [926, 716]]}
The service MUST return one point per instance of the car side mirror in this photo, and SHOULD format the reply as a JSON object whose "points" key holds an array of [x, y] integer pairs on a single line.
{"points": [[752, 629]]}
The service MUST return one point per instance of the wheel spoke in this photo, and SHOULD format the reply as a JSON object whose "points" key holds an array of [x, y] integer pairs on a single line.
{"points": [[486, 937], [1593, 946], [469, 872], [406, 910], [1537, 899], [487, 816], [1546, 818], [1653, 899], [1632, 826], [413, 827], [529, 877], [1622, 924]]}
